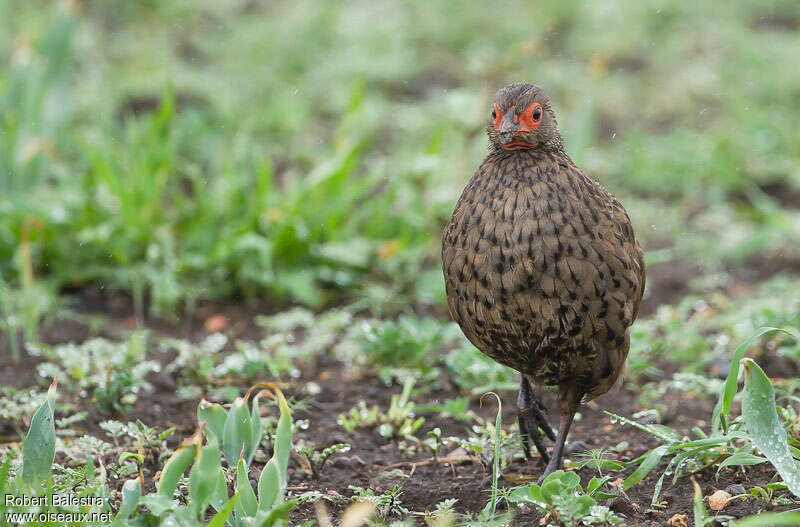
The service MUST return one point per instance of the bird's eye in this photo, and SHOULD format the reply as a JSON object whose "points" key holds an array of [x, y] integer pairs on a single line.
{"points": [[537, 114], [494, 114]]}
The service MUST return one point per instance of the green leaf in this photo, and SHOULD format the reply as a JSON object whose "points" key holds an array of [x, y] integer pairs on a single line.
{"points": [[764, 427], [248, 505], [283, 437], [700, 512], [224, 513], [238, 434], [722, 410], [177, 464], [255, 430], [741, 459], [214, 416], [131, 492], [269, 486], [650, 462], [769, 519], [39, 449], [281, 512], [157, 504], [204, 479]]}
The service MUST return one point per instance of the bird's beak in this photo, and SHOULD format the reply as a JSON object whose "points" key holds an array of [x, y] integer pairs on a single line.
{"points": [[508, 127]]}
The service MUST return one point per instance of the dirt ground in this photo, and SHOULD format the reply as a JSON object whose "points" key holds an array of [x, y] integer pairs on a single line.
{"points": [[378, 463]]}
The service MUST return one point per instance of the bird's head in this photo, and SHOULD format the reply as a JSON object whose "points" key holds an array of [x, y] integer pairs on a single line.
{"points": [[522, 119]]}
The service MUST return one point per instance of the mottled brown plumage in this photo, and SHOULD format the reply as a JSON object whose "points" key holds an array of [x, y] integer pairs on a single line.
{"points": [[542, 269]]}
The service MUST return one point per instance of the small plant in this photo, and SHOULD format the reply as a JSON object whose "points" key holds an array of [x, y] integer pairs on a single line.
{"points": [[386, 503], [473, 371], [598, 459], [732, 443], [316, 458], [115, 372], [397, 422], [564, 503], [434, 442], [114, 398]]}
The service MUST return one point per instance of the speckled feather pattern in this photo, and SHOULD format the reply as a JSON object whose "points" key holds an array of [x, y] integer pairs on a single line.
{"points": [[543, 272]]}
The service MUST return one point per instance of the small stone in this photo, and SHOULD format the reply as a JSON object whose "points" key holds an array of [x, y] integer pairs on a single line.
{"points": [[356, 462], [340, 462], [719, 500], [577, 447], [166, 381], [736, 490], [678, 520]]}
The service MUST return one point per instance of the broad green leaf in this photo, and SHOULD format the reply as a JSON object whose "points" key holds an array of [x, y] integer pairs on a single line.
{"points": [[650, 462], [269, 486], [247, 505], [769, 519], [177, 464], [214, 416], [158, 504], [719, 418], [131, 492], [238, 433], [584, 504], [39, 449], [204, 478], [764, 427]]}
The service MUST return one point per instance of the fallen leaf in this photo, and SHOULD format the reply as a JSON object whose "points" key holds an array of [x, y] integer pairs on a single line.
{"points": [[678, 520]]}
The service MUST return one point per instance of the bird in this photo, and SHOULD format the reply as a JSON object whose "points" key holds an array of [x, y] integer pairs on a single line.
{"points": [[542, 270]]}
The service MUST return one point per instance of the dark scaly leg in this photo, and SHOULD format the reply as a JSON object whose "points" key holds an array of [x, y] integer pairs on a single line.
{"points": [[531, 418], [558, 449]]}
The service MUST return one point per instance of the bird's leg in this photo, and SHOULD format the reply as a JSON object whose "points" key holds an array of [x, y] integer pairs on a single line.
{"points": [[558, 449], [531, 418]]}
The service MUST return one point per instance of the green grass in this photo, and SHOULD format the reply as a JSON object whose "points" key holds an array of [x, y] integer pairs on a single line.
{"points": [[303, 152]]}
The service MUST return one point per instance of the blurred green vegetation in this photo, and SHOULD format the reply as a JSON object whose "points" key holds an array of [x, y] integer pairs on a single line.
{"points": [[311, 151]]}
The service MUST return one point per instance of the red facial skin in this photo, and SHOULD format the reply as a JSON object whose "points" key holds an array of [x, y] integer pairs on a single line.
{"points": [[526, 124]]}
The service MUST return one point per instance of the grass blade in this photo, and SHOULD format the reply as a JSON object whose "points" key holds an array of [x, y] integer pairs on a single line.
{"points": [[769, 519], [650, 462]]}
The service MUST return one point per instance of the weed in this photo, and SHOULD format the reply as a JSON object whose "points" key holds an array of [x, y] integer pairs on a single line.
{"points": [[564, 503], [386, 503], [316, 458], [397, 422]]}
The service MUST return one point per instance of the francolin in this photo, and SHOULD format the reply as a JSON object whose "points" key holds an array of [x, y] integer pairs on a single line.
{"points": [[542, 269]]}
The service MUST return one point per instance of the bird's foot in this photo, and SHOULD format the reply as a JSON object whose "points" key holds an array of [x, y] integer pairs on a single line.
{"points": [[529, 427], [531, 418]]}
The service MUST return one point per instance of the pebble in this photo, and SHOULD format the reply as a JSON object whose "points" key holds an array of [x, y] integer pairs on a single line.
{"points": [[577, 447], [736, 490]]}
